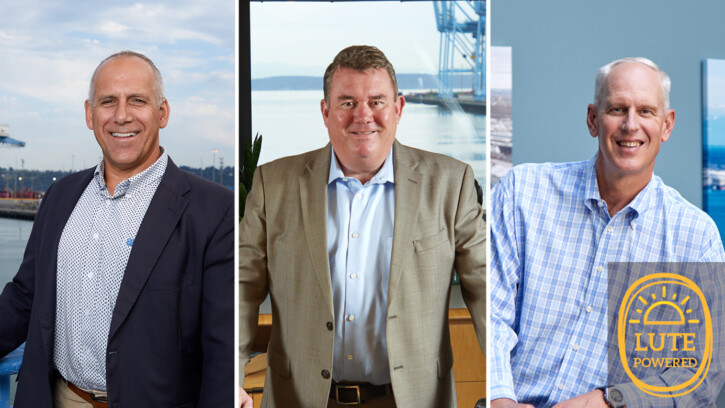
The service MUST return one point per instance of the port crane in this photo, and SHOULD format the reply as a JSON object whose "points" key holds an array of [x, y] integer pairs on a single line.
{"points": [[464, 40], [6, 140]]}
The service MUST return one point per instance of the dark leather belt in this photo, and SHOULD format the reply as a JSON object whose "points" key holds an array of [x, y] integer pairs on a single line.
{"points": [[353, 393], [89, 397]]}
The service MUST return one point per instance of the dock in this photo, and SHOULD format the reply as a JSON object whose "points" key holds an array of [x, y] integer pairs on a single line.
{"points": [[20, 208], [463, 102]]}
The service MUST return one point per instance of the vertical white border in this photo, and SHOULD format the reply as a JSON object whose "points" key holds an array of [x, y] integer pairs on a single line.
{"points": [[487, 205], [236, 205]]}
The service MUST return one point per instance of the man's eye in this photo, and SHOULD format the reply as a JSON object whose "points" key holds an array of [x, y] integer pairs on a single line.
{"points": [[617, 110], [347, 104], [646, 111], [377, 103], [138, 101]]}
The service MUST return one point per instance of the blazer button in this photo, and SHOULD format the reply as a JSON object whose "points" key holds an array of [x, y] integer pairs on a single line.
{"points": [[325, 374], [329, 326]]}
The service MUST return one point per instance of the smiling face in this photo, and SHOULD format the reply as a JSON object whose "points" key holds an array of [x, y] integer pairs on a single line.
{"points": [[361, 119], [631, 124], [126, 117]]}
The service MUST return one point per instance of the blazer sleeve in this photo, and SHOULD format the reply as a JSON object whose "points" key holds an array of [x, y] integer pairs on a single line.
{"points": [[217, 311], [16, 299], [470, 262], [253, 286]]}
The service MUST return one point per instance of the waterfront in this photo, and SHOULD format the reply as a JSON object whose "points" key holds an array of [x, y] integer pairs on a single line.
{"points": [[13, 237], [291, 123]]}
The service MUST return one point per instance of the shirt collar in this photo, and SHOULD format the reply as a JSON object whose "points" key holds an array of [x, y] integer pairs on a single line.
{"points": [[134, 182], [384, 175], [642, 201]]}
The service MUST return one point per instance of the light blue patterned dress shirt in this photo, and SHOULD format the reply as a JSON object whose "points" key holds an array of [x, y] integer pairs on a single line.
{"points": [[92, 255], [360, 221], [551, 240]]}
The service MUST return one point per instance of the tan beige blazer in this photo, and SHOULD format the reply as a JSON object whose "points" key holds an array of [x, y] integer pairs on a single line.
{"points": [[283, 251]]}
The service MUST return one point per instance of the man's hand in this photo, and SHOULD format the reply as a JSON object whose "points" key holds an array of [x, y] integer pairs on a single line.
{"points": [[245, 399], [508, 403], [592, 399]]}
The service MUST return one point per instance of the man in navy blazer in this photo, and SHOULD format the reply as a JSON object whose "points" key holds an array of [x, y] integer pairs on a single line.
{"points": [[126, 286]]}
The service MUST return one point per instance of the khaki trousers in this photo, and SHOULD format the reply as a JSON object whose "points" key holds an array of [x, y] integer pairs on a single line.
{"points": [[64, 397], [387, 401]]}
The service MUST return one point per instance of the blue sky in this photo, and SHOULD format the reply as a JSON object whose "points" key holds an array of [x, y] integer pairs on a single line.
{"points": [[50, 49]]}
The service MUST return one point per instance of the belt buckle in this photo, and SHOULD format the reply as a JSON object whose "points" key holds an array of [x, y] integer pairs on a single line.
{"points": [[95, 398], [337, 394]]}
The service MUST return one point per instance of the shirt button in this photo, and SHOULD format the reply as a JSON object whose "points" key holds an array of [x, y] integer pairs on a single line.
{"points": [[355, 235], [633, 225], [575, 347], [589, 309], [358, 196], [561, 386], [330, 326], [600, 269], [353, 276], [600, 203], [90, 275], [325, 374], [349, 356], [351, 318], [95, 236], [610, 228]]}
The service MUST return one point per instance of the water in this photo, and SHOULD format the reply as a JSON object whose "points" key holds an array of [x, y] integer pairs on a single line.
{"points": [[291, 123], [13, 237]]}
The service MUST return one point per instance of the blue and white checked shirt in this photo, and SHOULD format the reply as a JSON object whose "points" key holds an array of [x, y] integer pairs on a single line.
{"points": [[92, 255], [551, 241], [359, 243]]}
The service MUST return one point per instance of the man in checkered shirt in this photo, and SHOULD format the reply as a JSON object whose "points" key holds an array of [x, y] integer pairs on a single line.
{"points": [[555, 228], [125, 293]]}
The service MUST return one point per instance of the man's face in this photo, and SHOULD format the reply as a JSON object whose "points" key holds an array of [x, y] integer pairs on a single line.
{"points": [[125, 116], [632, 123], [362, 117]]}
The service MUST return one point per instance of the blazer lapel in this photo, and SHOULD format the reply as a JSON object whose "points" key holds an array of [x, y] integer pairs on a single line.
{"points": [[164, 212], [407, 202], [313, 202]]}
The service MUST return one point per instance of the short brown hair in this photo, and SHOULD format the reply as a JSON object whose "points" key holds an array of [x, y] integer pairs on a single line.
{"points": [[360, 58]]}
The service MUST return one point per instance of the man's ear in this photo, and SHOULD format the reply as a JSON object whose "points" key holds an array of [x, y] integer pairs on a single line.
{"points": [[325, 111], [669, 125], [89, 115], [592, 116]]}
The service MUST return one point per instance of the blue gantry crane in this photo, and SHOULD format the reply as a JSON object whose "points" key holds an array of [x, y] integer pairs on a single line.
{"points": [[6, 140], [462, 47]]}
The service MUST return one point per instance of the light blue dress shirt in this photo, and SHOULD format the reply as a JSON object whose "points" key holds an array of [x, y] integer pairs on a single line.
{"points": [[551, 240], [360, 221]]}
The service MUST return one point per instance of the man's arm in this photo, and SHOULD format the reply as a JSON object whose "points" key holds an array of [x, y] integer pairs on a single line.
{"points": [[470, 263], [252, 268], [504, 280], [217, 315]]}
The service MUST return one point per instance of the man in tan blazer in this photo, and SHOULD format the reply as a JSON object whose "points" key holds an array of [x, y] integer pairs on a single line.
{"points": [[299, 243]]}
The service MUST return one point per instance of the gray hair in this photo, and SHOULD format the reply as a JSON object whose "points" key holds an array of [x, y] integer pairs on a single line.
{"points": [[600, 85], [158, 85]]}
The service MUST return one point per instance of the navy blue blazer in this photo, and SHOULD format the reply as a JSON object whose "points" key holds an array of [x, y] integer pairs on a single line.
{"points": [[172, 331]]}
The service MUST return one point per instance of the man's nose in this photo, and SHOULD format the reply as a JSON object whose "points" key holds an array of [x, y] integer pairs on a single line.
{"points": [[631, 121], [122, 115], [363, 113]]}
